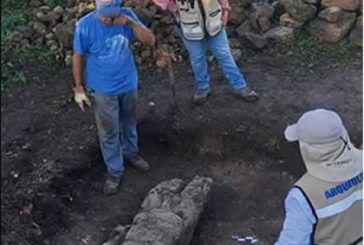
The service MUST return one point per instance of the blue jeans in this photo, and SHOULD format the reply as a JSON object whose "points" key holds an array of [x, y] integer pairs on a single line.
{"points": [[219, 46], [116, 124]]}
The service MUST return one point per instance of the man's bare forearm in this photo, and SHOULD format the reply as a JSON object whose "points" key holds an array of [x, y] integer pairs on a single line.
{"points": [[77, 69], [143, 34]]}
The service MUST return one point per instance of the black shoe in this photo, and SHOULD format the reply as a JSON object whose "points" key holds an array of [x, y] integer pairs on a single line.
{"points": [[201, 96], [247, 94], [139, 163], [111, 185]]}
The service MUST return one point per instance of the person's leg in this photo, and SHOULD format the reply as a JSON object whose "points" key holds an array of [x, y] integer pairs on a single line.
{"points": [[129, 135], [219, 46], [198, 59], [128, 123], [107, 120]]}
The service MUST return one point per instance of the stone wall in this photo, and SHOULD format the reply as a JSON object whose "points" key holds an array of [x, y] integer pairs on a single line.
{"points": [[253, 24]]}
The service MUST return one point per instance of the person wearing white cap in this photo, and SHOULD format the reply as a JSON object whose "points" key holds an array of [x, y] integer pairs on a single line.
{"points": [[325, 205]]}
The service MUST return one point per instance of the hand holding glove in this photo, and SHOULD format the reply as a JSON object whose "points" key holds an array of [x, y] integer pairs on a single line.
{"points": [[81, 98]]}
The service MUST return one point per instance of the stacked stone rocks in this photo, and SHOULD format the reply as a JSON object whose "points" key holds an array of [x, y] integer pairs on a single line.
{"points": [[336, 19], [252, 23]]}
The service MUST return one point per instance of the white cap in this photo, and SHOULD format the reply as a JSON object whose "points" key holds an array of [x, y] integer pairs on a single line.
{"points": [[316, 127]]}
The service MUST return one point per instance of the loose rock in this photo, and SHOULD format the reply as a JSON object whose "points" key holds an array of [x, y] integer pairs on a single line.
{"points": [[331, 14], [254, 41], [235, 43], [25, 42], [299, 10], [54, 47], [167, 19], [350, 5], [52, 18], [35, 3], [242, 29], [50, 43], [41, 16], [237, 53], [264, 9], [279, 8], [64, 34], [49, 36], [245, 3], [356, 37], [264, 23], [58, 10], [359, 22], [16, 36], [332, 32], [145, 15], [236, 15], [44, 8], [287, 21], [27, 31], [68, 58], [280, 34], [260, 16], [71, 3], [39, 41], [312, 1], [39, 27]]}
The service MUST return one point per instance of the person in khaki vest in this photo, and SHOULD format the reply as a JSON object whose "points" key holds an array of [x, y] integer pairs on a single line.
{"points": [[201, 24], [325, 206]]}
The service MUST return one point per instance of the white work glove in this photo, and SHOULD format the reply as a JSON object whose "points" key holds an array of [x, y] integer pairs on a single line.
{"points": [[81, 98]]}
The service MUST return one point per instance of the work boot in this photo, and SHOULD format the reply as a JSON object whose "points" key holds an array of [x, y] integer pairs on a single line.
{"points": [[201, 96], [111, 185], [247, 94], [139, 163]]}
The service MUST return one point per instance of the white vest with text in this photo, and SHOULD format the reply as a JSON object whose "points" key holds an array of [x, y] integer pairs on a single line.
{"points": [[337, 208]]}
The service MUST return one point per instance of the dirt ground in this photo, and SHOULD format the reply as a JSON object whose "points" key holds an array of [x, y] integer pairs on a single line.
{"points": [[50, 156]]}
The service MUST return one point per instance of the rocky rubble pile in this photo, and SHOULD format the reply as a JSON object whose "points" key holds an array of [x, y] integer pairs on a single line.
{"points": [[252, 23], [336, 20], [327, 20]]}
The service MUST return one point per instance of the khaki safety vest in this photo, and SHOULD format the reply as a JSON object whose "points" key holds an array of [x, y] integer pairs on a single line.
{"points": [[198, 17], [337, 208]]}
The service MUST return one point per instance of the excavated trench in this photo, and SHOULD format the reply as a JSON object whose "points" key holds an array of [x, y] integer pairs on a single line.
{"points": [[67, 206]]}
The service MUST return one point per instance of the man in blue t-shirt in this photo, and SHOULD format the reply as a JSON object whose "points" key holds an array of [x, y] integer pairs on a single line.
{"points": [[102, 42]]}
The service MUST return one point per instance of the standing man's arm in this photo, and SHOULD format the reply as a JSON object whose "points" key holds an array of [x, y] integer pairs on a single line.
{"points": [[299, 221], [79, 46], [142, 33], [77, 70]]}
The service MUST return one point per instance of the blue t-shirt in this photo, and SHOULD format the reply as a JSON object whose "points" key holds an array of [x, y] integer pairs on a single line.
{"points": [[110, 65]]}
